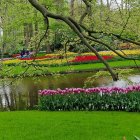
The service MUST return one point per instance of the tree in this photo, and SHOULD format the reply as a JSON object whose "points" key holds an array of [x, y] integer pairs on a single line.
{"points": [[72, 8], [85, 33]]}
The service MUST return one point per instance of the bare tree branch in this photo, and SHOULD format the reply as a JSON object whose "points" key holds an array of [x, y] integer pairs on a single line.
{"points": [[46, 13]]}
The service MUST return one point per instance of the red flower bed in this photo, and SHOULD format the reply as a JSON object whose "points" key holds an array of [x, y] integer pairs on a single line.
{"points": [[15, 55], [89, 58]]}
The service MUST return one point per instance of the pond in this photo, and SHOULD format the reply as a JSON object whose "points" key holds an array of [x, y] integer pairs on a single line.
{"points": [[23, 93]]}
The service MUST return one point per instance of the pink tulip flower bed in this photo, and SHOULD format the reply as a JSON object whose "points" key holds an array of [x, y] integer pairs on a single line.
{"points": [[101, 90], [91, 99]]}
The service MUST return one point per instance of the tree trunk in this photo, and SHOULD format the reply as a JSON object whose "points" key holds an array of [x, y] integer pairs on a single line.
{"points": [[72, 8], [122, 4], [28, 33], [35, 28], [108, 4]]}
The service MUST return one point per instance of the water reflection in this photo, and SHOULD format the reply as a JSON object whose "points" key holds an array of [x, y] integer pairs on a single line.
{"points": [[134, 79], [22, 94]]}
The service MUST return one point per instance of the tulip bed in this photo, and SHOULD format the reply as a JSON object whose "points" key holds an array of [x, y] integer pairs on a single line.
{"points": [[37, 58], [61, 63], [91, 99], [71, 58], [88, 58], [122, 52], [57, 60]]}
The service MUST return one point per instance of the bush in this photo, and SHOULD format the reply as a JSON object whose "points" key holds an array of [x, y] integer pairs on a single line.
{"points": [[91, 102], [5, 55]]}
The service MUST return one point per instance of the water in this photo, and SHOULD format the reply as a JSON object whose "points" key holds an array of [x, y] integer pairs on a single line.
{"points": [[133, 79], [23, 94]]}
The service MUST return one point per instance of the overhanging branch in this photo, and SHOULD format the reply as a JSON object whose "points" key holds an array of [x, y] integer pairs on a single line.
{"points": [[71, 24], [110, 34]]}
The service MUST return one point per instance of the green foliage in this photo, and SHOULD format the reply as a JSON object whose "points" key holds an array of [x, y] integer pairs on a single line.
{"points": [[122, 73], [16, 14], [23, 70], [137, 138], [91, 102]]}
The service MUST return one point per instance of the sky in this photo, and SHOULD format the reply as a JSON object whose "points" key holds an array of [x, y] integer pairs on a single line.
{"points": [[113, 1]]}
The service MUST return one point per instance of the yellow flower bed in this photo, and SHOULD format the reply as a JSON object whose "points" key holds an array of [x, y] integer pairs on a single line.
{"points": [[70, 57], [56, 61], [127, 52], [12, 61], [43, 61], [61, 53]]}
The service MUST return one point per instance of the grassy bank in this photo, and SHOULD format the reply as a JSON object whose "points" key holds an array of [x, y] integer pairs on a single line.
{"points": [[34, 125], [11, 71], [95, 66]]}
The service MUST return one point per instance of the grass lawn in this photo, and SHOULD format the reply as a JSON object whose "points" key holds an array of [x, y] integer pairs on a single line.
{"points": [[15, 70], [92, 66], [35, 125]]}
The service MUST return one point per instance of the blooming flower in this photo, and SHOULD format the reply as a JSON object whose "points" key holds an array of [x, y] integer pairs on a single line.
{"points": [[100, 90]]}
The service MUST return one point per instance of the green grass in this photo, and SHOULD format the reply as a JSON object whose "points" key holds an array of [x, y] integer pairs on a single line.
{"points": [[93, 66], [81, 67], [35, 125]]}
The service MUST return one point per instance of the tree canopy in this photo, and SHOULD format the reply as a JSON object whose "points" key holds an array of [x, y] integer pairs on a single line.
{"points": [[90, 22]]}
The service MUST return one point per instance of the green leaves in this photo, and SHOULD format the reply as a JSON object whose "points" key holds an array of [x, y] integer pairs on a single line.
{"points": [[137, 138], [91, 102]]}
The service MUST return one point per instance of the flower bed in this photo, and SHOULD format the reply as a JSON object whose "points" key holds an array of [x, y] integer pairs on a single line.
{"points": [[72, 58], [87, 58], [125, 99], [15, 55], [18, 60], [126, 52], [36, 58]]}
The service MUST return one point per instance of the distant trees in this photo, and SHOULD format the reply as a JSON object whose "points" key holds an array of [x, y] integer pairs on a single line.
{"points": [[99, 24], [90, 23]]}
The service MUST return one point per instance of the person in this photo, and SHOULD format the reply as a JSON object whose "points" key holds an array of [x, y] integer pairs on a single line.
{"points": [[27, 54], [22, 53]]}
